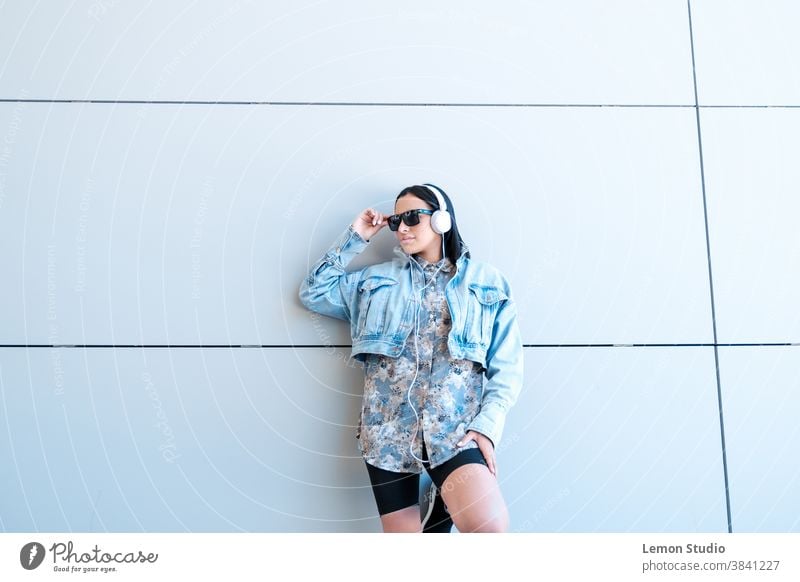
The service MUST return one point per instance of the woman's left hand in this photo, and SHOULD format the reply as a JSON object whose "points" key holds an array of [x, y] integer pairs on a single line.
{"points": [[486, 447]]}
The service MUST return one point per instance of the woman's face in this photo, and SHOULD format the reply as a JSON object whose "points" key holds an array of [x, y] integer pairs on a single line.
{"points": [[420, 238]]}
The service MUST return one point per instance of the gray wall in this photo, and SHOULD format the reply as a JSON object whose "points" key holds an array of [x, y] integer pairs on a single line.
{"points": [[168, 173]]}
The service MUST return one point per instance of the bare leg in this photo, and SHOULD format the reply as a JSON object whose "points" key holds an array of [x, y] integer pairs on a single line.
{"points": [[404, 520], [474, 500]]}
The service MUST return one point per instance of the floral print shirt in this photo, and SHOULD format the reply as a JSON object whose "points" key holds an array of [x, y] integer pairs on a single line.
{"points": [[446, 393]]}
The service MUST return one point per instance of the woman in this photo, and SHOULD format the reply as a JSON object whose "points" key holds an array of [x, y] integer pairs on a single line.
{"points": [[428, 326]]}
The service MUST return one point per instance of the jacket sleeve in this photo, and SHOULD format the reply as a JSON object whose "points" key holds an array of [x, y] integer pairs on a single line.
{"points": [[504, 374], [328, 289]]}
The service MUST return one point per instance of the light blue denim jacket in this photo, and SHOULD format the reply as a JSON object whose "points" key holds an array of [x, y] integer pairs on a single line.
{"points": [[379, 303]]}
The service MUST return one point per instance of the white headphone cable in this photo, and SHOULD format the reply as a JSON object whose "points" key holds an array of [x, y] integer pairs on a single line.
{"points": [[416, 349]]}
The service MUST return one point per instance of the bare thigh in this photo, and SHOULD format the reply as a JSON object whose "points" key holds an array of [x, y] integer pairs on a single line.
{"points": [[474, 500], [404, 520]]}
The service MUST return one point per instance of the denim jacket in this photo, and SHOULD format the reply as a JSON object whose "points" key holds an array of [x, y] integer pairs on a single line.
{"points": [[379, 303]]}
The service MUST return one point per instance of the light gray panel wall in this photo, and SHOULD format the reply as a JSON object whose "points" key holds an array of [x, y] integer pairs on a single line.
{"points": [[360, 51], [763, 436], [615, 439], [181, 440], [162, 207], [752, 180], [746, 52], [263, 440], [164, 224]]}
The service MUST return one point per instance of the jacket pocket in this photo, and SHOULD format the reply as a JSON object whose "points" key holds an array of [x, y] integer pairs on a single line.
{"points": [[482, 307], [374, 294]]}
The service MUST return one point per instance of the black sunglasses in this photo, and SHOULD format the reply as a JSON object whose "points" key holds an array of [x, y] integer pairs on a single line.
{"points": [[410, 217]]}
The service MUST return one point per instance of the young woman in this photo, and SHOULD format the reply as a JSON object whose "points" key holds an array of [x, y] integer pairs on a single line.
{"points": [[428, 326]]}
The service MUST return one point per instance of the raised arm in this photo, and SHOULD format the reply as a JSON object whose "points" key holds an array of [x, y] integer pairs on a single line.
{"points": [[328, 289]]}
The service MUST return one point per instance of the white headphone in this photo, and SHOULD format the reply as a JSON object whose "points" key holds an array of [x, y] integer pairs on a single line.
{"points": [[440, 220]]}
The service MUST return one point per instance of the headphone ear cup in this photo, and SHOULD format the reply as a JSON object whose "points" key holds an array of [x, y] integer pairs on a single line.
{"points": [[441, 222]]}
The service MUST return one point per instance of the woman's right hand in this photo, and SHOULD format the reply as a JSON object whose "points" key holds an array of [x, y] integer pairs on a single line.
{"points": [[369, 223]]}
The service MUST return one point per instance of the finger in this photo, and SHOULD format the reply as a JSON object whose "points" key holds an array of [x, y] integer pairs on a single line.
{"points": [[488, 454], [492, 464], [465, 439]]}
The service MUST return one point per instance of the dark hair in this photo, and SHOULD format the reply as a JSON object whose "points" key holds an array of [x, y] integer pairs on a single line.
{"points": [[452, 238]]}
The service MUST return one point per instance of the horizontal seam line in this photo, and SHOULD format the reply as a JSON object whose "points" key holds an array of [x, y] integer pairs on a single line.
{"points": [[312, 346], [391, 104]]}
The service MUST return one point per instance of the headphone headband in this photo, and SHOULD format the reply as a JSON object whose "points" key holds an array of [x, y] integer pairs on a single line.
{"points": [[438, 193]]}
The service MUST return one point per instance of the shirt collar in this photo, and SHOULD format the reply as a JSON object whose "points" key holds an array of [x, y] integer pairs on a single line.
{"points": [[404, 257], [445, 263]]}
